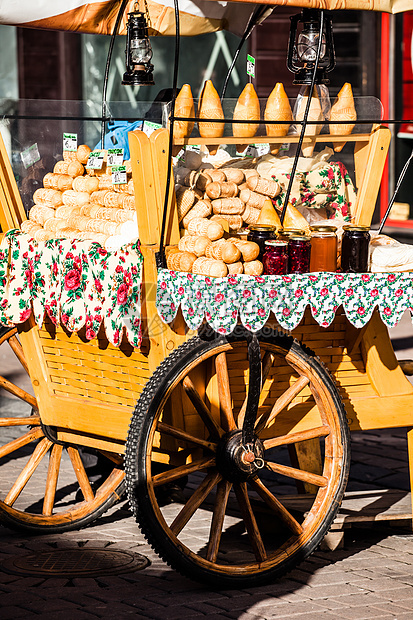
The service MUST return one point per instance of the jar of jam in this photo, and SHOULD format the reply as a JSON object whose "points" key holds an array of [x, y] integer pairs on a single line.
{"points": [[275, 259], [355, 249], [286, 233], [299, 250], [260, 233], [323, 248]]}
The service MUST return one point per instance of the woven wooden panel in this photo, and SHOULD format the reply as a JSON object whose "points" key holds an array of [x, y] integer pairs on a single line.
{"points": [[95, 369]]}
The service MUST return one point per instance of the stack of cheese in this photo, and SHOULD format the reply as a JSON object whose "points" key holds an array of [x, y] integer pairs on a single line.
{"points": [[212, 205], [80, 203]]}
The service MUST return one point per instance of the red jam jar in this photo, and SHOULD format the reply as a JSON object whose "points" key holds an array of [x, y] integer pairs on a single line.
{"points": [[275, 259], [260, 233], [299, 250]]}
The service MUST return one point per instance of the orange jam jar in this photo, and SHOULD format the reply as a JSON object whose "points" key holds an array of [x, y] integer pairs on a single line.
{"points": [[323, 248]]}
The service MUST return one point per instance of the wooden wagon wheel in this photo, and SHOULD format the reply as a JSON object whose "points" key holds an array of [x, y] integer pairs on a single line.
{"points": [[252, 525], [45, 485]]}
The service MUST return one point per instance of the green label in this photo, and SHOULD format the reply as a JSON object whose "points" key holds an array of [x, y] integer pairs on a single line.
{"points": [[115, 157], [119, 175], [30, 156], [251, 65], [149, 127], [95, 160], [70, 141]]}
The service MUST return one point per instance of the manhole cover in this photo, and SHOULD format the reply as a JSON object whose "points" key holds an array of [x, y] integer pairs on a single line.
{"points": [[75, 563]]}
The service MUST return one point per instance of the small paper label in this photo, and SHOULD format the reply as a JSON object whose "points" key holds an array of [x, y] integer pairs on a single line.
{"points": [[115, 157], [262, 149], [95, 160], [70, 141], [149, 127], [251, 65], [30, 156], [196, 148], [119, 175]]}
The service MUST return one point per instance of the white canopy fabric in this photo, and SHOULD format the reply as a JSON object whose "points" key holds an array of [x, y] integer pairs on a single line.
{"points": [[197, 17]]}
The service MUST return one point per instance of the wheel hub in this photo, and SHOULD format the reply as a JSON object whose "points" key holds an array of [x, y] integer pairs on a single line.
{"points": [[237, 461]]}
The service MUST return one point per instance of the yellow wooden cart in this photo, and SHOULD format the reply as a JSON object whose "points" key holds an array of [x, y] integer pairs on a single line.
{"points": [[187, 434]]}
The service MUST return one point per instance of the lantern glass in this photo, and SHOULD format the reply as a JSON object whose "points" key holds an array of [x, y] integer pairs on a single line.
{"points": [[140, 51], [307, 46]]}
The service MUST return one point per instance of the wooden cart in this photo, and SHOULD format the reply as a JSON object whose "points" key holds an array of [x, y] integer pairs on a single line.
{"points": [[192, 392]]}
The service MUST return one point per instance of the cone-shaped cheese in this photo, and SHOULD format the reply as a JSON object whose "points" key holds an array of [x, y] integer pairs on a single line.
{"points": [[248, 109], [184, 106], [294, 219], [315, 114], [210, 107], [343, 110], [269, 215], [277, 109]]}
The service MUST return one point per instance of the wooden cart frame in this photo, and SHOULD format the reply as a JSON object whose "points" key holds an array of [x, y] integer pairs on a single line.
{"points": [[85, 392]]}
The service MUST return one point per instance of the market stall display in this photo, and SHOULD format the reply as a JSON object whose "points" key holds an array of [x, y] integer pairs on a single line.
{"points": [[250, 423]]}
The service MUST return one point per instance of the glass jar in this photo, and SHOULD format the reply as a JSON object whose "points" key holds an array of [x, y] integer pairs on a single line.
{"points": [[275, 259], [323, 248], [260, 233], [286, 233], [355, 249], [299, 250]]}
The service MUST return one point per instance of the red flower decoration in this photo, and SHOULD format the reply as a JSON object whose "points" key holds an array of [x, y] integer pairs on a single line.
{"points": [[286, 312], [90, 334], [349, 292], [324, 291], [72, 279], [219, 297], [122, 294]]}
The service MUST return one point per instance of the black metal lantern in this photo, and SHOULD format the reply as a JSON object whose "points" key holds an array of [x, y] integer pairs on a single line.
{"points": [[302, 53], [138, 51]]}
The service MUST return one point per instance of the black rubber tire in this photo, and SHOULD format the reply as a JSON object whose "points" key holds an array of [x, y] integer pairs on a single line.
{"points": [[73, 512], [143, 499]]}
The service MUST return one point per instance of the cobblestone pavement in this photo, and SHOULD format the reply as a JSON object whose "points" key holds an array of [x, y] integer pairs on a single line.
{"points": [[371, 577]]}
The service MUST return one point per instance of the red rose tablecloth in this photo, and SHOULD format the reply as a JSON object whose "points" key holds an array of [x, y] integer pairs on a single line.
{"points": [[76, 283], [222, 301]]}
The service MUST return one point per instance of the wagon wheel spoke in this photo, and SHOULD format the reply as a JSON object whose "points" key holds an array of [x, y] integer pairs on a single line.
{"points": [[19, 392], [224, 391], [284, 440], [276, 506], [195, 501], [81, 474], [15, 444], [267, 362], [17, 349], [182, 470], [180, 434], [250, 522], [282, 402], [214, 429], [32, 420], [28, 470], [297, 474], [221, 499], [51, 480]]}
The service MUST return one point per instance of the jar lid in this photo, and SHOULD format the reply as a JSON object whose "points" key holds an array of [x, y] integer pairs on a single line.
{"points": [[261, 228], [323, 228], [277, 243], [359, 228], [300, 238], [290, 231]]}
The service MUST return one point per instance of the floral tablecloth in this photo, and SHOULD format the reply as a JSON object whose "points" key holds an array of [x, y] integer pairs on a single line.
{"points": [[76, 283], [221, 301]]}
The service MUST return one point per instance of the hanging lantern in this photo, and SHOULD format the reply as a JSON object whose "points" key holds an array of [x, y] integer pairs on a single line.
{"points": [[302, 52], [138, 51]]}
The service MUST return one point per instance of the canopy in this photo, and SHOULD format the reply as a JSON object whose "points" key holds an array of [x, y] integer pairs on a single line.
{"points": [[198, 17]]}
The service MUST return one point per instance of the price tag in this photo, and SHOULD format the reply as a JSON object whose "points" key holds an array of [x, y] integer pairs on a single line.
{"points": [[70, 141], [262, 149], [251, 66], [196, 148], [95, 160], [149, 127], [115, 157], [119, 175], [30, 156]]}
